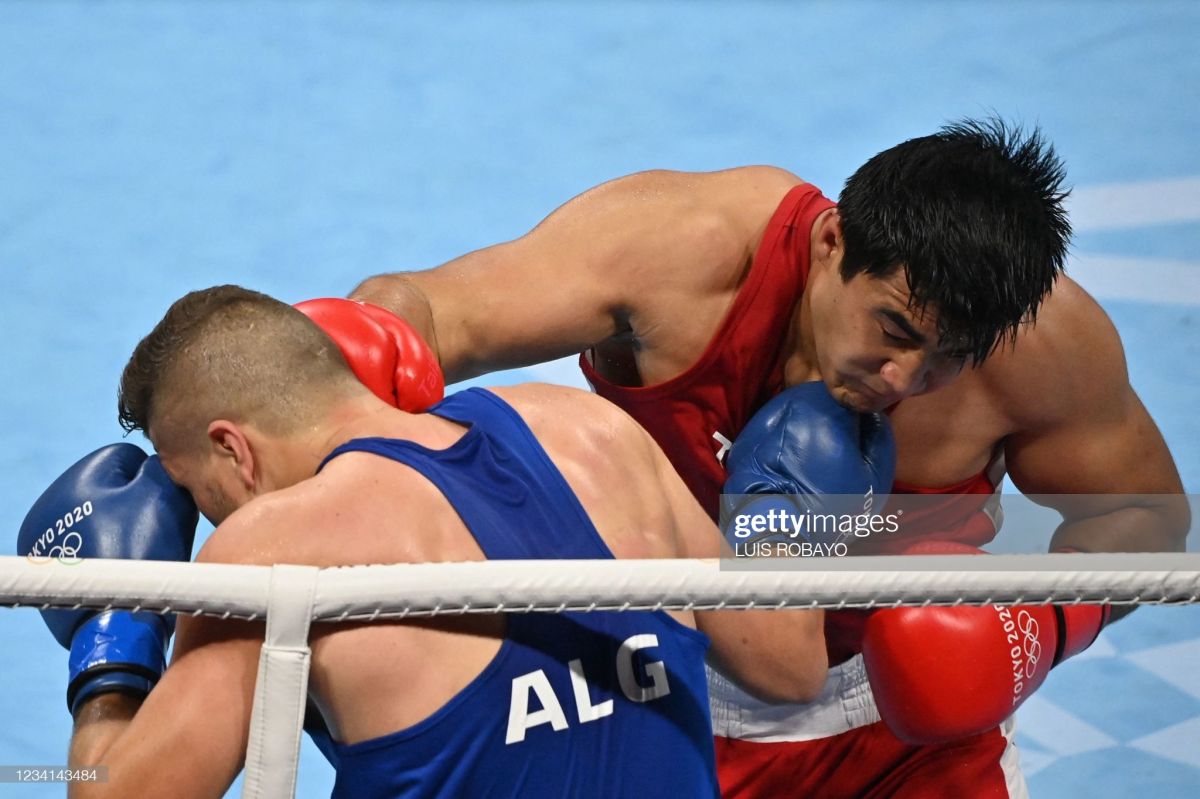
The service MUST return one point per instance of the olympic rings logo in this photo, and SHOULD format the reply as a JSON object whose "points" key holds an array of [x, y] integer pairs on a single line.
{"points": [[1025, 647], [1031, 645], [68, 548], [65, 551]]}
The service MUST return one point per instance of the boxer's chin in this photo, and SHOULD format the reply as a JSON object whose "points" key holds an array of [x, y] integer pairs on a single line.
{"points": [[859, 401], [849, 398]]}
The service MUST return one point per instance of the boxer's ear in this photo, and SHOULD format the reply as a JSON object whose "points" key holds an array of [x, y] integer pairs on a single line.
{"points": [[230, 448], [828, 245]]}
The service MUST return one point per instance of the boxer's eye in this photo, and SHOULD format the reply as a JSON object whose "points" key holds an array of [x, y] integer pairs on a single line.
{"points": [[898, 330]]}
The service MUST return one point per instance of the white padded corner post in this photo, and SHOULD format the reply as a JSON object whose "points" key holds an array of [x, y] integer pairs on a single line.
{"points": [[281, 691]]}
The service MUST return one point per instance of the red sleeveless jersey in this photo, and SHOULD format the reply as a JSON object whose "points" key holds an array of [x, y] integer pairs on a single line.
{"points": [[696, 415]]}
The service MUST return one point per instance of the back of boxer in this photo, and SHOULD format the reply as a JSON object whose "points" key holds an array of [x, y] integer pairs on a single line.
{"points": [[246, 402], [695, 298]]}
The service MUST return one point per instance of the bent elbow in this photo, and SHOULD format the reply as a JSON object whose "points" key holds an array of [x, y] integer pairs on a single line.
{"points": [[1183, 522], [1174, 521], [376, 290]]}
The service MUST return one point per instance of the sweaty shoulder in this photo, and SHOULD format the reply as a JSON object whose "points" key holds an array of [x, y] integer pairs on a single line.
{"points": [[562, 416], [687, 246], [694, 192], [253, 534], [610, 463], [356, 511], [1069, 361], [708, 223]]}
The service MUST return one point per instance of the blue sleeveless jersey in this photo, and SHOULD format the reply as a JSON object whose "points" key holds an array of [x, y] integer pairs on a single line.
{"points": [[574, 704]]}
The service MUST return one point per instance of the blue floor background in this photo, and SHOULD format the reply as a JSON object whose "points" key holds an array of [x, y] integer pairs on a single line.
{"points": [[149, 149]]}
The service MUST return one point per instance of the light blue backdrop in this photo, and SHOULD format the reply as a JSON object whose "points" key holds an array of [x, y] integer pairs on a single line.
{"points": [[149, 149]]}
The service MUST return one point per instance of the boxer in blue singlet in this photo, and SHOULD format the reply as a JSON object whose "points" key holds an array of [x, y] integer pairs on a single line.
{"points": [[254, 412], [631, 685]]}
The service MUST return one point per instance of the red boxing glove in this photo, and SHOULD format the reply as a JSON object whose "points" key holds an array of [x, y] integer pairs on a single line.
{"points": [[383, 350], [945, 673]]}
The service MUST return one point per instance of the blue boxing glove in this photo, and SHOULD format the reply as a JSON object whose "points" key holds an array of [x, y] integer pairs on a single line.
{"points": [[114, 503], [801, 459]]}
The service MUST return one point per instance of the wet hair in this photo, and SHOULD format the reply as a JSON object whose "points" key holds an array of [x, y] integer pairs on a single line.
{"points": [[974, 216], [232, 353]]}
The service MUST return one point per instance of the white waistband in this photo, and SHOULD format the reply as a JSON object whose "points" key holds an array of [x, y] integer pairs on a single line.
{"points": [[845, 703]]}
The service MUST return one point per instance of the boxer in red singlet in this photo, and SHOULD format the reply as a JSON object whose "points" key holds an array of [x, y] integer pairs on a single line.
{"points": [[695, 298]]}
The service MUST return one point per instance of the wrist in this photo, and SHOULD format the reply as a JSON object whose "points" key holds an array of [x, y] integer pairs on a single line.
{"points": [[1079, 626], [116, 650]]}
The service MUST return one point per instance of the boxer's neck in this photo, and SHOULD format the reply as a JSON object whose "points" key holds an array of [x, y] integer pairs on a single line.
{"points": [[366, 416], [799, 356]]}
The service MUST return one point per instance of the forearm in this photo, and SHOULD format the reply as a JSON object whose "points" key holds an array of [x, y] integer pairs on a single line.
{"points": [[1158, 527], [431, 304], [776, 655], [1161, 528], [485, 312], [99, 723]]}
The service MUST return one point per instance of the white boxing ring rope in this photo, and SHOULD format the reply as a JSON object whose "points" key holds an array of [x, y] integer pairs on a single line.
{"points": [[429, 589], [291, 597]]}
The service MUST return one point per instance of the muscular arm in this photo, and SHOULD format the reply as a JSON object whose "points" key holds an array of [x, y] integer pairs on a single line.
{"points": [[1092, 452], [591, 270], [1133, 499], [777, 655], [188, 738]]}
